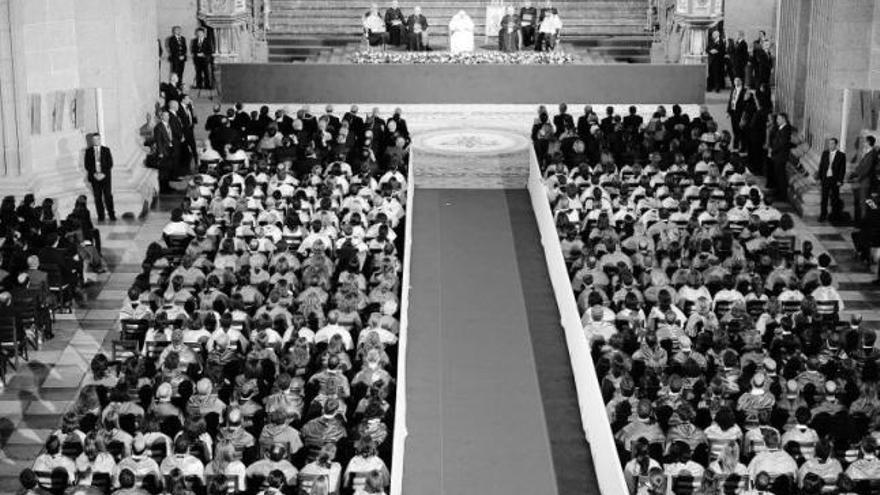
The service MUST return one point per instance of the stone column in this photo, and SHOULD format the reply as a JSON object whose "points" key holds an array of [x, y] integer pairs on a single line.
{"points": [[14, 124], [696, 17]]}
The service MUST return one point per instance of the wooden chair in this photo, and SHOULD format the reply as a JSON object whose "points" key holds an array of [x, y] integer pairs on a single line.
{"points": [[789, 307], [356, 481], [785, 245], [155, 348], [11, 342], [686, 485], [135, 330], [756, 307], [731, 484], [306, 481], [827, 310], [120, 350], [722, 308], [870, 486]]}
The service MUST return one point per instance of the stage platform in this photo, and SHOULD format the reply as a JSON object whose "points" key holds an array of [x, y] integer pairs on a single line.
{"points": [[461, 84]]}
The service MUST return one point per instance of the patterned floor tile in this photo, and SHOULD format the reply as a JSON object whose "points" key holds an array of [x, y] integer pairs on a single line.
{"points": [[29, 436]]}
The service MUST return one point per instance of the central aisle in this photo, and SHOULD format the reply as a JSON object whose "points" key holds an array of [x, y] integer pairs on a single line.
{"points": [[475, 416]]}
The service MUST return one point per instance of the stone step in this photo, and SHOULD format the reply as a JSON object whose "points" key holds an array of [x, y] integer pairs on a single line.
{"points": [[475, 12], [583, 30]]}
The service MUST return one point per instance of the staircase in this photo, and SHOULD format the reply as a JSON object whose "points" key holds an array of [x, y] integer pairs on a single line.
{"points": [[322, 30]]}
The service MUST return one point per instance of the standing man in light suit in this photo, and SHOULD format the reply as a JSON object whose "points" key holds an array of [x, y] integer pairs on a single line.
{"points": [[98, 164]]}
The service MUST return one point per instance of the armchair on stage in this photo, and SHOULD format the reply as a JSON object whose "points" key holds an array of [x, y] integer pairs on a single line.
{"points": [[461, 33]]}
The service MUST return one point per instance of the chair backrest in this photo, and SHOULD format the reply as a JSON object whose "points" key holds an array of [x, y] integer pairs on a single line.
{"points": [[826, 308], [306, 481], [686, 485], [120, 350], [357, 480], [8, 327], [723, 307], [756, 307], [731, 484], [789, 307], [132, 329]]}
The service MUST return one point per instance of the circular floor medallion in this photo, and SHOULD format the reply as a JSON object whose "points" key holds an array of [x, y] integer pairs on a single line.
{"points": [[470, 141]]}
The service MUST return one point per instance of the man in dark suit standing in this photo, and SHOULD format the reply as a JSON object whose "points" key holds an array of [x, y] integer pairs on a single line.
{"points": [[715, 49], [562, 120], [355, 122], [739, 57], [202, 52], [188, 120], [166, 149], [832, 169], [178, 133], [780, 149], [177, 52], [584, 122], [863, 176], [528, 16], [333, 122], [99, 163], [735, 108]]}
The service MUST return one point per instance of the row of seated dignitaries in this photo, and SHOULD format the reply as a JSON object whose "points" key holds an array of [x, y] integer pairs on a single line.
{"points": [[529, 27], [258, 347], [713, 323]]}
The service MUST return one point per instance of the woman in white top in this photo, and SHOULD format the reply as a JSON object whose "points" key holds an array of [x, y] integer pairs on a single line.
{"points": [[366, 466], [324, 467], [225, 463], [728, 464]]}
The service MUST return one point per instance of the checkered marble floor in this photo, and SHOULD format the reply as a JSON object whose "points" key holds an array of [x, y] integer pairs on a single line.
{"points": [[39, 392]]}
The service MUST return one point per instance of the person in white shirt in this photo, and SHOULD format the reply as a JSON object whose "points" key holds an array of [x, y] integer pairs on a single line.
{"points": [[333, 328], [549, 31], [374, 28]]}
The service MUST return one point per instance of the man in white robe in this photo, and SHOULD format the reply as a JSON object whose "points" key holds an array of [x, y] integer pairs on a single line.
{"points": [[461, 33]]}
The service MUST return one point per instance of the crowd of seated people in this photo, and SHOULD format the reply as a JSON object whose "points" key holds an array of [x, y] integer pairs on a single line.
{"points": [[258, 348], [714, 326], [45, 262]]}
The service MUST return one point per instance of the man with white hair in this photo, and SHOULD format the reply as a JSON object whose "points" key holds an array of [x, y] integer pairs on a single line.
{"points": [[417, 31]]}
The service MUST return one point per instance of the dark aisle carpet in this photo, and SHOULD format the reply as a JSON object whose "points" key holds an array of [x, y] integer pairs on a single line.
{"points": [[475, 416], [572, 461]]}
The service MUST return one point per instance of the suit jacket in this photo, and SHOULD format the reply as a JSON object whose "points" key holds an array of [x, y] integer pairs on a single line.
{"points": [[163, 139], [583, 126], [394, 15], [106, 162], [560, 121], [838, 168], [413, 20], [187, 117], [780, 141], [57, 257], [401, 125], [735, 107], [176, 48], [355, 123], [202, 51], [867, 168], [740, 56], [716, 45], [333, 123]]}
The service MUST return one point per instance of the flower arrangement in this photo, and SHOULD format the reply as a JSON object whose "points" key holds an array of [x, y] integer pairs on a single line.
{"points": [[464, 58]]}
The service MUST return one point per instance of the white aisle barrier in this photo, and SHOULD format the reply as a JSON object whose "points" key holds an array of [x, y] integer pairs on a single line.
{"points": [[593, 415]]}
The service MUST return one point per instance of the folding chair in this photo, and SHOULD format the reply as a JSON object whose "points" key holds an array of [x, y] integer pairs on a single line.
{"points": [[176, 247], [11, 342], [827, 310], [686, 485], [120, 350]]}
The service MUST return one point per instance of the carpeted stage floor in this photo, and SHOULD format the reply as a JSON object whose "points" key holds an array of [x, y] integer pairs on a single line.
{"points": [[491, 404]]}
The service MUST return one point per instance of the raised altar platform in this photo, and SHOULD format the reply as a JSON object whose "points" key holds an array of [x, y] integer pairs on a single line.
{"points": [[462, 84]]}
